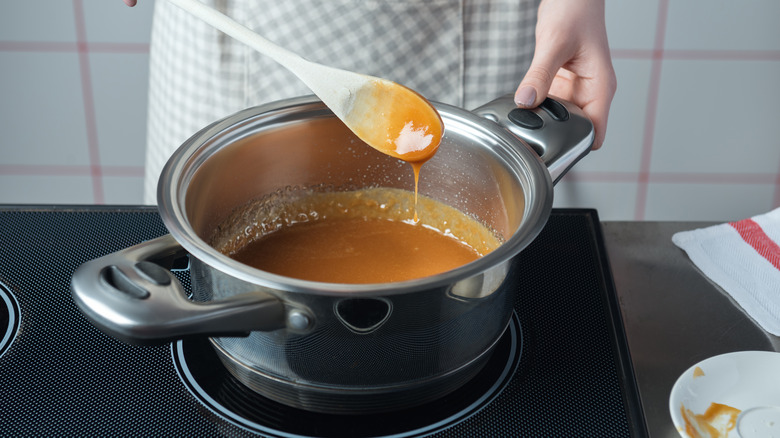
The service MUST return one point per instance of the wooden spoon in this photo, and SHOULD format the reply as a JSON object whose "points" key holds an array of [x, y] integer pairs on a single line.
{"points": [[387, 116]]}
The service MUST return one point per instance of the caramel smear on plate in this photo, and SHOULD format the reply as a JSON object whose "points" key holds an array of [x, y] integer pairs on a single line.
{"points": [[716, 422]]}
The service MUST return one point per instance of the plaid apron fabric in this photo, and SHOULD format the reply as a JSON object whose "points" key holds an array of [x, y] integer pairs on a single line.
{"points": [[460, 52]]}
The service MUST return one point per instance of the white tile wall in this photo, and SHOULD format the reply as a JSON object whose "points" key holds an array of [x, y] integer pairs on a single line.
{"points": [[696, 101], [43, 119], [73, 83], [726, 133], [113, 22], [692, 133], [721, 25], [26, 21], [120, 106]]}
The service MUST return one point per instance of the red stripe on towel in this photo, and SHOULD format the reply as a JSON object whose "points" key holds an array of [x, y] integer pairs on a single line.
{"points": [[754, 235]]}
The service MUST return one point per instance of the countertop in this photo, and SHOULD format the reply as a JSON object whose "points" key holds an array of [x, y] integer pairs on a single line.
{"points": [[673, 315]]}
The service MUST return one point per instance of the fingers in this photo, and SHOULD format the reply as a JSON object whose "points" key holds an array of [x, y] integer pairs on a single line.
{"points": [[592, 91], [598, 113], [574, 64], [130, 3], [554, 48], [594, 95], [537, 81], [598, 109]]}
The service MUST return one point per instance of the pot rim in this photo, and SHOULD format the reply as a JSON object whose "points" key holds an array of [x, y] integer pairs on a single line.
{"points": [[185, 161]]}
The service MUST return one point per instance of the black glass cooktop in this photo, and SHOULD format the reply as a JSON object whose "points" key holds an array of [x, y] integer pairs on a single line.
{"points": [[561, 369]]}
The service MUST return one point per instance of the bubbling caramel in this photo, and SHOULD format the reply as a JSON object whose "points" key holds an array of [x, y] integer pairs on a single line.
{"points": [[361, 236]]}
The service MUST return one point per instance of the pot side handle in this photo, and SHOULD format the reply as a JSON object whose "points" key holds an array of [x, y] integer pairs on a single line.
{"points": [[558, 130], [129, 296]]}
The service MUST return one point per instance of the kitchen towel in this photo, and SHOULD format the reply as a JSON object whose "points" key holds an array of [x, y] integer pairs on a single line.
{"points": [[743, 258]]}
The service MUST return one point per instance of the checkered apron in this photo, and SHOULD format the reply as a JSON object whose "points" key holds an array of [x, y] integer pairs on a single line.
{"points": [[460, 52]]}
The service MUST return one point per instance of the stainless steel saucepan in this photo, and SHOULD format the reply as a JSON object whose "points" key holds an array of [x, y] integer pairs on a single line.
{"points": [[337, 348]]}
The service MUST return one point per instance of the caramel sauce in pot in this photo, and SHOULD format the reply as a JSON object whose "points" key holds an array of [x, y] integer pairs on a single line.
{"points": [[361, 236]]}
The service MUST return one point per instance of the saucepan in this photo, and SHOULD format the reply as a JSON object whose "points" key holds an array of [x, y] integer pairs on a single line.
{"points": [[337, 348]]}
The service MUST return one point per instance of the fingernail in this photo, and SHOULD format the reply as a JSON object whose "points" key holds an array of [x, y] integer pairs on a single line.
{"points": [[525, 96]]}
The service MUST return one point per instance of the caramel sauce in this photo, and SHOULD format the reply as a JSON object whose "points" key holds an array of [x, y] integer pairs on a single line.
{"points": [[416, 169], [356, 251], [362, 236], [716, 422]]}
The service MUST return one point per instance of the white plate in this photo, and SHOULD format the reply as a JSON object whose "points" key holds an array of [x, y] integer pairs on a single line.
{"points": [[747, 381]]}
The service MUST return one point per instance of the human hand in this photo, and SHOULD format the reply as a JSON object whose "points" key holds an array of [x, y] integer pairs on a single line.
{"points": [[130, 2], [572, 61]]}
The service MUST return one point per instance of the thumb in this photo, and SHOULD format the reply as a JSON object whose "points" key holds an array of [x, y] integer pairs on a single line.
{"points": [[535, 85]]}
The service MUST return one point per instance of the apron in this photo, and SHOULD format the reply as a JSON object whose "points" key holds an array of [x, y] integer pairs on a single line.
{"points": [[459, 52]]}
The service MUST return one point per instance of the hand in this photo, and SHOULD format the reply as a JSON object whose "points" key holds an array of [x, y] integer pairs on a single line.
{"points": [[130, 2], [572, 61]]}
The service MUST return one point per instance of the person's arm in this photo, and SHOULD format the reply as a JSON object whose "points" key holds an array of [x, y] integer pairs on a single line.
{"points": [[572, 60]]}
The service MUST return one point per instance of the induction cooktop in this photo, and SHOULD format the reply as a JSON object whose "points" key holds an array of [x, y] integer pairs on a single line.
{"points": [[562, 368]]}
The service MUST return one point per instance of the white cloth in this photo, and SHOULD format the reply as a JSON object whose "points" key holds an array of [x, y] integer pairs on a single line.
{"points": [[460, 52], [743, 258]]}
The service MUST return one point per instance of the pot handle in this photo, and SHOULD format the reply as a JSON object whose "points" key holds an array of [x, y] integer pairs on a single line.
{"points": [[557, 130], [131, 297]]}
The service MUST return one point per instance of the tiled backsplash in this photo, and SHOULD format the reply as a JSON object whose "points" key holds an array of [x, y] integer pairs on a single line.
{"points": [[693, 133]]}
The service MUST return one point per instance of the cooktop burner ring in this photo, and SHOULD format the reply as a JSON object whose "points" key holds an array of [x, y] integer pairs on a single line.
{"points": [[204, 376], [10, 318]]}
